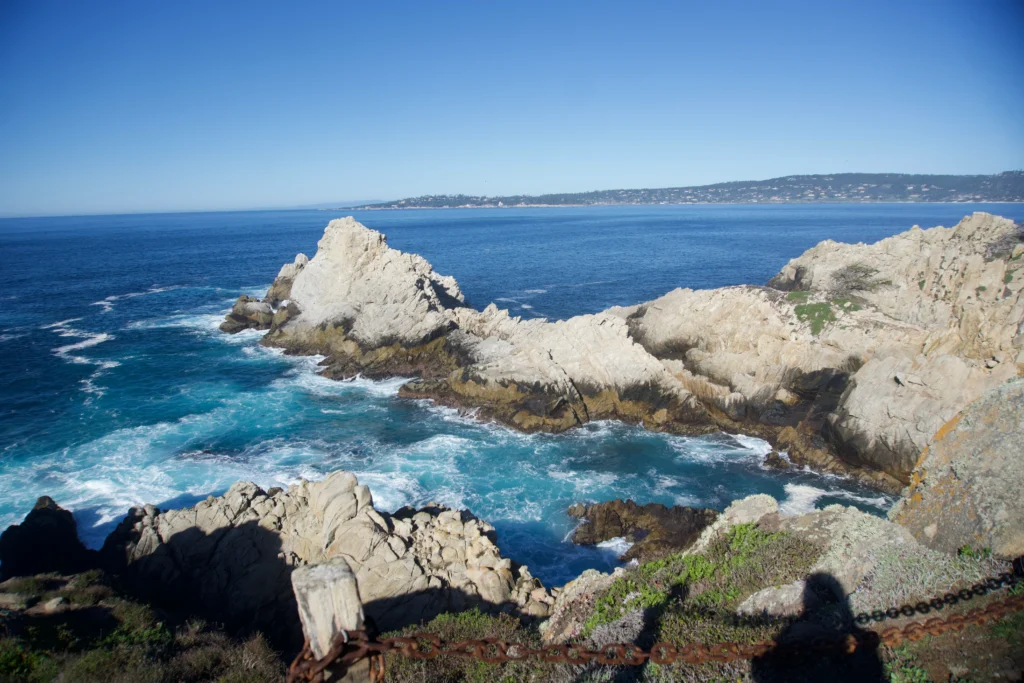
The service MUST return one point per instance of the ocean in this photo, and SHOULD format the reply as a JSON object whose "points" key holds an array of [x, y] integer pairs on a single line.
{"points": [[117, 389]]}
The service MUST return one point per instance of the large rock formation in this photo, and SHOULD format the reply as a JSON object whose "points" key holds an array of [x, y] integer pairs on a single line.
{"points": [[231, 557], [47, 541], [850, 361], [968, 486], [653, 529]]}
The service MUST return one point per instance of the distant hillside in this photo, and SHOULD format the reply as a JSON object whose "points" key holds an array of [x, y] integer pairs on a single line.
{"points": [[840, 187]]}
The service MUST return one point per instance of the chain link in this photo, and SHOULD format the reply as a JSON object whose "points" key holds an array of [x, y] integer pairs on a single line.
{"points": [[352, 646]]}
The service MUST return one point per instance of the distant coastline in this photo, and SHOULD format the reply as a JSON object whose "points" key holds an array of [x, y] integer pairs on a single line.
{"points": [[583, 206], [841, 188]]}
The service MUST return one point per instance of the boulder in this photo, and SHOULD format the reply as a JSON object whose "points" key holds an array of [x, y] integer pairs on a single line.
{"points": [[966, 489], [248, 314], [231, 557], [653, 529], [47, 541]]}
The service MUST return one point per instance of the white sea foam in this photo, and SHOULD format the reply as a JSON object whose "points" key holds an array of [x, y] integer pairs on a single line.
{"points": [[619, 545], [202, 322], [803, 498], [534, 291], [7, 336], [800, 499], [754, 444], [108, 302], [68, 353], [60, 323]]}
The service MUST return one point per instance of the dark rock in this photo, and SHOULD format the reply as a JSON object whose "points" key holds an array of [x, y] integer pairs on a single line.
{"points": [[47, 541], [654, 529], [776, 461], [248, 313]]}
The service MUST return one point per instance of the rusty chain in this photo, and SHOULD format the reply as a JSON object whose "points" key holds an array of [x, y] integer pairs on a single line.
{"points": [[351, 646]]}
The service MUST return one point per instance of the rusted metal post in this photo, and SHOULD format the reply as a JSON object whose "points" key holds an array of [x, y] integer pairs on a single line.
{"points": [[328, 600]]}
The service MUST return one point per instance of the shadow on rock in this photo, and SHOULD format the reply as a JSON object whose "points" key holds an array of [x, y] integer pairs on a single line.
{"points": [[826, 615], [236, 576]]}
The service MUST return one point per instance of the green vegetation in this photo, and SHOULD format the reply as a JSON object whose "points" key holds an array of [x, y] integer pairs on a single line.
{"points": [[471, 625], [741, 562], [847, 305], [800, 297], [979, 289], [102, 636], [1008, 278], [817, 315], [975, 553], [920, 284], [902, 668]]}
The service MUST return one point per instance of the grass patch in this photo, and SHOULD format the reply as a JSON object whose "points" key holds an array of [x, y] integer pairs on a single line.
{"points": [[739, 563], [800, 297], [816, 315], [902, 668], [472, 625], [106, 637]]}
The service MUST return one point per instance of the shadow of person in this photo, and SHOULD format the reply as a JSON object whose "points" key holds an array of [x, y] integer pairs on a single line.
{"points": [[826, 618]]}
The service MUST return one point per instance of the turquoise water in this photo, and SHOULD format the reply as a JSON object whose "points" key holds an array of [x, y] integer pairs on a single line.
{"points": [[117, 389]]}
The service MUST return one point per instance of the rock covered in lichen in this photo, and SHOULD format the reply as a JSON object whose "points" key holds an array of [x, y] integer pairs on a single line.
{"points": [[968, 486]]}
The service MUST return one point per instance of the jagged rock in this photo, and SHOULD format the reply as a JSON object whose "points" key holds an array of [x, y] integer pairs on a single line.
{"points": [[232, 556], [851, 362], [966, 489], [248, 314], [47, 541], [281, 290], [653, 529], [574, 604], [776, 461]]}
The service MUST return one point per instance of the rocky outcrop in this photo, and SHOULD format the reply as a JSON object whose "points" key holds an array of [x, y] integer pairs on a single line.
{"points": [[868, 564], [281, 290], [231, 557], [248, 314], [653, 529], [47, 541], [968, 486], [849, 362]]}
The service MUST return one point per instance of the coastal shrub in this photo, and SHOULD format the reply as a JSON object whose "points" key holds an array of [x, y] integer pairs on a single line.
{"points": [[1008, 278], [800, 297], [683, 590], [473, 625], [103, 636], [856, 277], [816, 315]]}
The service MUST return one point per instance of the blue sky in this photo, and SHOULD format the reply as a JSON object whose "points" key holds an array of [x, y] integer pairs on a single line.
{"points": [[153, 106]]}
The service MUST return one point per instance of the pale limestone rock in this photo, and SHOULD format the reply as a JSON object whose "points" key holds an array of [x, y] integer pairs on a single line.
{"points": [[234, 554], [914, 327], [379, 294]]}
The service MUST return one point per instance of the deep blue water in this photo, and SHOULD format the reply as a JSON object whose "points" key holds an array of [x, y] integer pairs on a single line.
{"points": [[117, 389]]}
